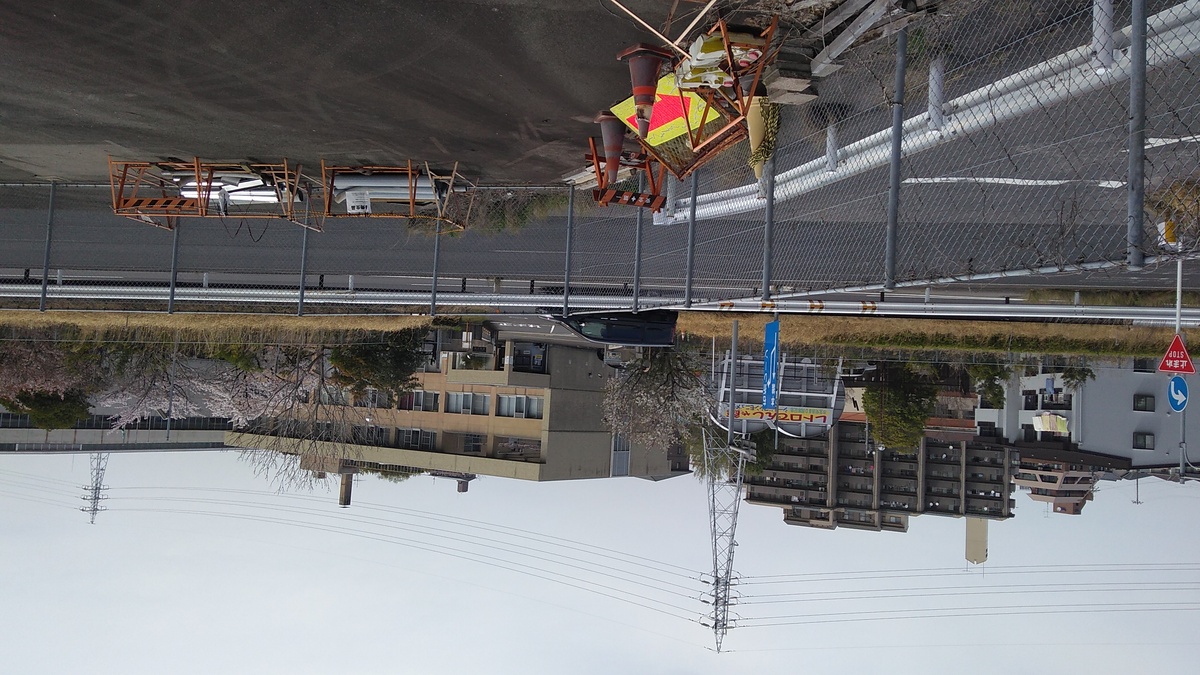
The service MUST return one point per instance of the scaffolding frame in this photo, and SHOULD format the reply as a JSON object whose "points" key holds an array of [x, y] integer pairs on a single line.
{"points": [[410, 174], [731, 106], [148, 192], [605, 194]]}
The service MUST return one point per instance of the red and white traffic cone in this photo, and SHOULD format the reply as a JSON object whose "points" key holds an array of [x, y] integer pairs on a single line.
{"points": [[644, 62], [612, 133]]}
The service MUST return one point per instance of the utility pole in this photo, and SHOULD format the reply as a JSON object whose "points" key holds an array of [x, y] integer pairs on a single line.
{"points": [[724, 463], [93, 494]]}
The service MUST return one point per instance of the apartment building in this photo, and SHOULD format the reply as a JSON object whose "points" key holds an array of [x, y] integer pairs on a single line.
{"points": [[530, 411], [841, 480], [1122, 412]]}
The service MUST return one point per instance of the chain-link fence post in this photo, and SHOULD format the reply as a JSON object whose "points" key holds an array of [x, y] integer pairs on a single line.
{"points": [[1135, 256], [303, 271], [691, 242], [174, 268], [46, 257], [893, 206], [437, 250], [637, 252], [567, 261], [768, 227]]}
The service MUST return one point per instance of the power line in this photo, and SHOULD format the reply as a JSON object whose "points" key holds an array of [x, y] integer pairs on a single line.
{"points": [[583, 584], [825, 577], [907, 614], [1147, 587], [445, 534], [573, 544]]}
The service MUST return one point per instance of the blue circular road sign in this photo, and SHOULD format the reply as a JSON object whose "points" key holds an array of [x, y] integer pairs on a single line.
{"points": [[1177, 393]]}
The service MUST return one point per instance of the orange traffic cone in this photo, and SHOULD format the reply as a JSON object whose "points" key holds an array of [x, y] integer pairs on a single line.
{"points": [[644, 63], [612, 132]]}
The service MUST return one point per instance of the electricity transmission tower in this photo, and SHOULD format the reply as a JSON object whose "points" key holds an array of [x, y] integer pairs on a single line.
{"points": [[93, 494], [724, 461]]}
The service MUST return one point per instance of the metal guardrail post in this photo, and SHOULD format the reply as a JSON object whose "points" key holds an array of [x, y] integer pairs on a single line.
{"points": [[691, 242], [437, 253], [303, 270], [831, 148], [1135, 256], [893, 207], [768, 228], [46, 256], [937, 92], [1103, 40], [174, 268], [567, 261], [637, 253]]}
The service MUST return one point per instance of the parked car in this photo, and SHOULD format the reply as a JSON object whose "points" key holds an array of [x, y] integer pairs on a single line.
{"points": [[653, 328]]}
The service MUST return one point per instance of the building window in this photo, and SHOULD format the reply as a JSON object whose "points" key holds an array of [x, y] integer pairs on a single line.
{"points": [[620, 456], [520, 406], [473, 443], [1145, 365], [418, 400], [1143, 441], [416, 439], [466, 403], [1143, 402]]}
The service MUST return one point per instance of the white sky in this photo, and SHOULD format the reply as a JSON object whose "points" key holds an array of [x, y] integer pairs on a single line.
{"points": [[146, 592]]}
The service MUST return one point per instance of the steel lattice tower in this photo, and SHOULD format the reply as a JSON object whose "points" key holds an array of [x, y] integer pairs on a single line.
{"points": [[93, 494], [723, 463]]}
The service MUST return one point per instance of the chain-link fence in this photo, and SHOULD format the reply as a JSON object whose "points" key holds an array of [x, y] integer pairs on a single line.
{"points": [[1014, 159]]}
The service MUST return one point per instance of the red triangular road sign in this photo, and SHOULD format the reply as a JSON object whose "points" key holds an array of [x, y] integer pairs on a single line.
{"points": [[1176, 359]]}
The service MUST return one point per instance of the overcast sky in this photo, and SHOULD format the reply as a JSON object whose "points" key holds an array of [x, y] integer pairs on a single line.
{"points": [[350, 591]]}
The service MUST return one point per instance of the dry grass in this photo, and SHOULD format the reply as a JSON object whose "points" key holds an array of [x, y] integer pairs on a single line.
{"points": [[966, 336], [1116, 298], [205, 327]]}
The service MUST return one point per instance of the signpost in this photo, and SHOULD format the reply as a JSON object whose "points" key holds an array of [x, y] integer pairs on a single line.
{"points": [[1177, 360], [771, 366], [1177, 393]]}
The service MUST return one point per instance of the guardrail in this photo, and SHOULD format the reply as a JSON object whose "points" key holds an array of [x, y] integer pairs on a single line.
{"points": [[550, 303]]}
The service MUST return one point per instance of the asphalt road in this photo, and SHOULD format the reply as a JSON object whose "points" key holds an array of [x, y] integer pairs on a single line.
{"points": [[831, 237], [507, 87]]}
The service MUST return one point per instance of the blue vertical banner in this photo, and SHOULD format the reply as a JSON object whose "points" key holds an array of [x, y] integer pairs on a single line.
{"points": [[771, 366]]}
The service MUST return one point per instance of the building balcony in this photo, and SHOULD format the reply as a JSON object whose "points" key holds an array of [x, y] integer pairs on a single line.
{"points": [[1056, 402], [944, 457], [940, 504], [904, 488], [856, 486]]}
